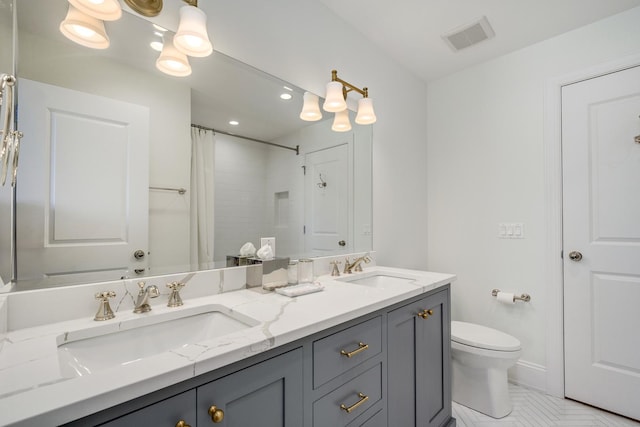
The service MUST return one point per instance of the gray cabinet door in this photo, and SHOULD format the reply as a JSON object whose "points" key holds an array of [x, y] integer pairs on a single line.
{"points": [[419, 363], [168, 412], [268, 394]]}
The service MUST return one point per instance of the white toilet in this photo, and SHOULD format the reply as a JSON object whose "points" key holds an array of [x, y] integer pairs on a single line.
{"points": [[480, 359]]}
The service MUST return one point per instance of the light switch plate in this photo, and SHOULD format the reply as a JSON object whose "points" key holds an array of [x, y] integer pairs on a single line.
{"points": [[511, 230]]}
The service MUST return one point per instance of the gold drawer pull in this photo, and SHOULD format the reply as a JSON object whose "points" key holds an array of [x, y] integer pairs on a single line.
{"points": [[363, 399], [181, 423], [425, 313], [361, 347]]}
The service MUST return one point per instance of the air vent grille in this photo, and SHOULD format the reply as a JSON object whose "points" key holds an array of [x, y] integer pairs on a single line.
{"points": [[470, 34]]}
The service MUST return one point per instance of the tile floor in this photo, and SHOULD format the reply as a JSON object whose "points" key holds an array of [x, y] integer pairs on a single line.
{"points": [[534, 409]]}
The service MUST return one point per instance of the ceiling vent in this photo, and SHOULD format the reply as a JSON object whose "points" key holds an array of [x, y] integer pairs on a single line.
{"points": [[470, 34]]}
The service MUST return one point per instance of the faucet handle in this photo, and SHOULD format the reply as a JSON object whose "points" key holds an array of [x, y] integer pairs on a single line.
{"points": [[104, 311], [346, 265], [174, 299], [335, 271]]}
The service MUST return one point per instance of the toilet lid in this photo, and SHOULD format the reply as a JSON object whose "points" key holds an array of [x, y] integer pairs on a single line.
{"points": [[482, 337]]}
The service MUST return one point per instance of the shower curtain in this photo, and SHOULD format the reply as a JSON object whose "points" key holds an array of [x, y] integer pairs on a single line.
{"points": [[202, 181]]}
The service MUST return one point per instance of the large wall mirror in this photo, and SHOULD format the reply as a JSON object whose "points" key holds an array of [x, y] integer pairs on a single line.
{"points": [[115, 181]]}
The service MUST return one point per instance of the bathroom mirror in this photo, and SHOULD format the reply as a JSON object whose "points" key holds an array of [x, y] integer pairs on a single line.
{"points": [[69, 191]]}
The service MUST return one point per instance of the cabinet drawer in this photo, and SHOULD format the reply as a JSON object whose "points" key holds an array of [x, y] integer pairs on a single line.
{"points": [[168, 412], [327, 411], [329, 359]]}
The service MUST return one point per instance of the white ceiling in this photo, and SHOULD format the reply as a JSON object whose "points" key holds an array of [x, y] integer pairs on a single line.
{"points": [[410, 30]]}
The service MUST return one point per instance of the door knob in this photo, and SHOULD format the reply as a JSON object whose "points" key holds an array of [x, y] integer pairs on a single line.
{"points": [[575, 256], [342, 243], [139, 254]]}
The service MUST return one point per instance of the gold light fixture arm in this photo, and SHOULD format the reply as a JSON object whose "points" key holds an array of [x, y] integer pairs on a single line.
{"points": [[191, 2], [348, 87]]}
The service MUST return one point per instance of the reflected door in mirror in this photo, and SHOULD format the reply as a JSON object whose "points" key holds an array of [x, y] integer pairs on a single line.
{"points": [[82, 207], [327, 194]]}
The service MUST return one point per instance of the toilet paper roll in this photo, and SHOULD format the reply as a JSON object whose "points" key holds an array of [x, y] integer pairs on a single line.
{"points": [[506, 297]]}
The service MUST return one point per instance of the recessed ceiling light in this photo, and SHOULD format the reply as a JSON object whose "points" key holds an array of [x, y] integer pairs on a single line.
{"points": [[234, 122], [157, 46], [285, 96]]}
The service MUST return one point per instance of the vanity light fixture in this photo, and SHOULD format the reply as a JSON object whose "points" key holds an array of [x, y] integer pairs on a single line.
{"points": [[84, 29], [310, 108], [173, 62], [335, 101], [192, 38]]}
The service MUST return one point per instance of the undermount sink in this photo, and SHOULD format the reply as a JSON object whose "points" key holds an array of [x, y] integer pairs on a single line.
{"points": [[87, 351], [379, 279]]}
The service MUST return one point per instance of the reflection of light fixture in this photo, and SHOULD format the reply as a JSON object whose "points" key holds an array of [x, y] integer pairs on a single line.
{"points": [[286, 96], [192, 38], [84, 29], [106, 10], [173, 62], [310, 109], [234, 122], [335, 102], [341, 121]]}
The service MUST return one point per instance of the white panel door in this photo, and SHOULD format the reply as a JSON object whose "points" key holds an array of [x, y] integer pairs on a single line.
{"points": [[82, 204], [601, 174], [327, 200]]}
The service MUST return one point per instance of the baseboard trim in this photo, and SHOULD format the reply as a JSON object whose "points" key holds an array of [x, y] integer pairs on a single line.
{"points": [[530, 375]]}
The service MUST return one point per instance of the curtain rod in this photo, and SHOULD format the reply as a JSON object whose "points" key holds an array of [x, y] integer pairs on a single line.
{"points": [[297, 149]]}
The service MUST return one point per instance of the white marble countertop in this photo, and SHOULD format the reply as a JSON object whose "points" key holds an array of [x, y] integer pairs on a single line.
{"points": [[33, 391]]}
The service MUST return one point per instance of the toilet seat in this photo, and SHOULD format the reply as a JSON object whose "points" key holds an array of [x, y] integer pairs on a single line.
{"points": [[482, 337]]}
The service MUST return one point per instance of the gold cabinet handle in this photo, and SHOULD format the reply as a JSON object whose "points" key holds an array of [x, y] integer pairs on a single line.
{"points": [[217, 414], [425, 313], [349, 409], [182, 423], [361, 347]]}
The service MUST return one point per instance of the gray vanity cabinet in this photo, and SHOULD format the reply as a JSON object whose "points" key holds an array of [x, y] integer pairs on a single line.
{"points": [[388, 368], [418, 358], [268, 394]]}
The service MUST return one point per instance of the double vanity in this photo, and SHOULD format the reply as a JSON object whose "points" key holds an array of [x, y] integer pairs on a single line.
{"points": [[371, 349]]}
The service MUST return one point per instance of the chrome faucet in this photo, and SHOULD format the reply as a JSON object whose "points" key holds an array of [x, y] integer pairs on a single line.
{"points": [[142, 302], [350, 267]]}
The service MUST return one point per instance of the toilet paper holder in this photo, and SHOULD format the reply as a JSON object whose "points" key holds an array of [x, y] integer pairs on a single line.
{"points": [[523, 297]]}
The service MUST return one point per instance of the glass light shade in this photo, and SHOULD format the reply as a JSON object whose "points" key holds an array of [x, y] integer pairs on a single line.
{"points": [[311, 108], [107, 10], [84, 29], [334, 101], [366, 115], [192, 38], [173, 62], [341, 121]]}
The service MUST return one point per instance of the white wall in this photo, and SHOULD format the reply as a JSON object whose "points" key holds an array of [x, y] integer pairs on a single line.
{"points": [[169, 103], [485, 166], [301, 41]]}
